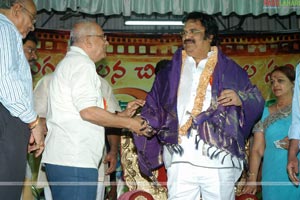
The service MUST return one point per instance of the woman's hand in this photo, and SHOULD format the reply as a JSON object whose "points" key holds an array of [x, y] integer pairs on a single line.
{"points": [[250, 188], [284, 143]]}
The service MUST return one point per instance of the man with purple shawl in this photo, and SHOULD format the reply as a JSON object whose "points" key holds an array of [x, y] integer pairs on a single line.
{"points": [[199, 111]]}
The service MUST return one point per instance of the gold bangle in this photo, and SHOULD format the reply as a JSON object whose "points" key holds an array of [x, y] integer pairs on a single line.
{"points": [[32, 125]]}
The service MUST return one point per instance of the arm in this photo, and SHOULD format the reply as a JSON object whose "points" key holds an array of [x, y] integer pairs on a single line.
{"points": [[16, 92], [294, 136], [15, 78], [37, 138], [234, 77], [87, 98], [101, 117], [293, 164], [40, 94], [112, 155], [256, 154]]}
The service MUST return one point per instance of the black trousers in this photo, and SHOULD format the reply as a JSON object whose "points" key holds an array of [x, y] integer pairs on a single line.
{"points": [[14, 136]]}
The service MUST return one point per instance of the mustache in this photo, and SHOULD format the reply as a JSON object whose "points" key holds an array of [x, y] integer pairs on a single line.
{"points": [[189, 40]]}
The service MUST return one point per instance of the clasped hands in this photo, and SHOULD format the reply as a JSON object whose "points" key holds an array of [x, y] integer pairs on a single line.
{"points": [[132, 107], [140, 125], [227, 98], [37, 140]]}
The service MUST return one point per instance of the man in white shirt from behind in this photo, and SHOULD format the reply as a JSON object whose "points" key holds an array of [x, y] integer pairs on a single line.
{"points": [[41, 102]]}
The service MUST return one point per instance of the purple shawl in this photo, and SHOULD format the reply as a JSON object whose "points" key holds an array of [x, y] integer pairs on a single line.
{"points": [[224, 127]]}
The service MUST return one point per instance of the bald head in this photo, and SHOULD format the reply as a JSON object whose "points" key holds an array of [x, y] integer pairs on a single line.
{"points": [[89, 36], [7, 4], [81, 29]]}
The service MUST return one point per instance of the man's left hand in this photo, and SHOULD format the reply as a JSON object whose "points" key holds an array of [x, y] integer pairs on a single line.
{"points": [[111, 158], [229, 98]]}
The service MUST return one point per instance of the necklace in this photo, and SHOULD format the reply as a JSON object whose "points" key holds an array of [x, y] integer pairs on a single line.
{"points": [[285, 111]]}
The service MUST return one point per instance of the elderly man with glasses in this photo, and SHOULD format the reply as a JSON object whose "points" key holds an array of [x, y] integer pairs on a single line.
{"points": [[77, 115], [18, 121]]}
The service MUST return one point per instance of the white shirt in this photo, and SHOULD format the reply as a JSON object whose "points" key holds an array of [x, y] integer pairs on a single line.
{"points": [[71, 141], [40, 94]]}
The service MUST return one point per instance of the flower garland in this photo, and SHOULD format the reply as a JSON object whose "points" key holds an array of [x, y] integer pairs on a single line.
{"points": [[201, 90]]}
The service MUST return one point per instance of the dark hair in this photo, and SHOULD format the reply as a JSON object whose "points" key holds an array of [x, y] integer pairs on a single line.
{"points": [[31, 36], [160, 65], [208, 22], [286, 70]]}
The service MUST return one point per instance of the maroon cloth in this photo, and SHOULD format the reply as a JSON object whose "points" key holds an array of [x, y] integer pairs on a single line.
{"points": [[160, 111], [135, 194], [246, 197]]}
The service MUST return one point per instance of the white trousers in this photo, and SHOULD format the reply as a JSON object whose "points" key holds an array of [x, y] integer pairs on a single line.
{"points": [[47, 193], [189, 182], [100, 191]]}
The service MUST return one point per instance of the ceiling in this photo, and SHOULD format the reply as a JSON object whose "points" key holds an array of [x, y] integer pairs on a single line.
{"points": [[115, 23], [234, 16]]}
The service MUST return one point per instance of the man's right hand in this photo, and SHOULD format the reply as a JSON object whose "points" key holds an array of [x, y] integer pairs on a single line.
{"points": [[292, 169], [293, 164]]}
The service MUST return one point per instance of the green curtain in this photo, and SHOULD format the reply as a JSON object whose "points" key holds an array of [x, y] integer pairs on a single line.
{"points": [[176, 7]]}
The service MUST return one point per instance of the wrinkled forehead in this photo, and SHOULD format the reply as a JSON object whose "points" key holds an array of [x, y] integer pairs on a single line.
{"points": [[87, 27], [98, 29]]}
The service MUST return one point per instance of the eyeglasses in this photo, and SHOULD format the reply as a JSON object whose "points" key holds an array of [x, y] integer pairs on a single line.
{"points": [[192, 32], [31, 15], [30, 50], [100, 36]]}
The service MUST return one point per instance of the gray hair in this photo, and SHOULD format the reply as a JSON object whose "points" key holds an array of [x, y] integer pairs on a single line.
{"points": [[80, 29], [7, 4]]}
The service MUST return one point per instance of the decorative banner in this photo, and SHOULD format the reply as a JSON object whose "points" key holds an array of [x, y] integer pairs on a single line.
{"points": [[131, 58]]}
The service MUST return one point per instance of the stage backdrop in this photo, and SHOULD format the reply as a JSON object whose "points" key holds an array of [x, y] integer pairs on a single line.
{"points": [[131, 58]]}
